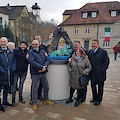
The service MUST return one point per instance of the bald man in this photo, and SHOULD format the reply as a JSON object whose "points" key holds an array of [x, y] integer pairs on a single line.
{"points": [[7, 66], [39, 62]]}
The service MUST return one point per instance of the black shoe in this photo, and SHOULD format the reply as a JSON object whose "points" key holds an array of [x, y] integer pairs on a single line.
{"points": [[7, 104], [77, 103], [22, 101], [92, 100], [14, 104], [82, 101], [2, 108], [97, 103], [17, 88], [69, 100]]}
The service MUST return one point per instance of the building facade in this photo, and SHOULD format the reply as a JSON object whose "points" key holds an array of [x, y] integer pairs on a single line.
{"points": [[4, 17], [99, 20]]}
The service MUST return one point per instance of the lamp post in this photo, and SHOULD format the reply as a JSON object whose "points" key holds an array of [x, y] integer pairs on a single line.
{"points": [[36, 11]]}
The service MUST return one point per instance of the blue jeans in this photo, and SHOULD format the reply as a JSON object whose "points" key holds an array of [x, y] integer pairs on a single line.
{"points": [[35, 84], [22, 76], [115, 56]]}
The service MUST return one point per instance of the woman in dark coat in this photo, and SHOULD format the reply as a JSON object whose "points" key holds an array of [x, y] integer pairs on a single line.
{"points": [[84, 68]]}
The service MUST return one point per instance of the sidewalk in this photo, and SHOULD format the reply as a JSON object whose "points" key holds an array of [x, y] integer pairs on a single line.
{"points": [[109, 109]]}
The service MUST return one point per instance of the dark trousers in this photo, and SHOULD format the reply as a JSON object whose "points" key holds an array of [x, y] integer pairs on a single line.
{"points": [[5, 93], [22, 76], [80, 93], [84, 93], [97, 92]]}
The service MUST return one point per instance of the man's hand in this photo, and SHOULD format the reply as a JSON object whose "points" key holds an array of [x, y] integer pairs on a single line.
{"points": [[27, 56], [44, 68]]}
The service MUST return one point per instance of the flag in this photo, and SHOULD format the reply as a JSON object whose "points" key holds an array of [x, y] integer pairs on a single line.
{"points": [[107, 34]]}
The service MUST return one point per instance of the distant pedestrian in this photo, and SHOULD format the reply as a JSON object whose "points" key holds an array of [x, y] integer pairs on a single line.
{"points": [[116, 49]]}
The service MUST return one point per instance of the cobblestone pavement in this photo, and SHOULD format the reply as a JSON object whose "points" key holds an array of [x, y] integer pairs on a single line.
{"points": [[109, 109]]}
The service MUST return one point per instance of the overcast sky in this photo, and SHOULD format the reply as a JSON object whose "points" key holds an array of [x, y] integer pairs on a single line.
{"points": [[51, 9]]}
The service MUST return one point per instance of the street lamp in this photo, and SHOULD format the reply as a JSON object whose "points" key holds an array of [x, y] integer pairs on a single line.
{"points": [[36, 11]]}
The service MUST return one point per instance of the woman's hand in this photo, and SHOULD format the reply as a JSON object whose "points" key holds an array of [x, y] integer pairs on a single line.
{"points": [[70, 60]]}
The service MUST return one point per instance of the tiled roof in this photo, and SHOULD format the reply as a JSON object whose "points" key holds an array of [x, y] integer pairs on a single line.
{"points": [[102, 8], [3, 11], [69, 12], [12, 10]]}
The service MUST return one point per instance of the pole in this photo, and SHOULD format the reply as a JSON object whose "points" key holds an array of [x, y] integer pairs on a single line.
{"points": [[35, 24]]}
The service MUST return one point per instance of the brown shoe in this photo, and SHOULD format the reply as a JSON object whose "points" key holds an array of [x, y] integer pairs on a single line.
{"points": [[35, 107], [30, 102], [48, 102], [41, 98]]}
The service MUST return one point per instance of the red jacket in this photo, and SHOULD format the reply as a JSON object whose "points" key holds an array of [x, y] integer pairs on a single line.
{"points": [[115, 48]]}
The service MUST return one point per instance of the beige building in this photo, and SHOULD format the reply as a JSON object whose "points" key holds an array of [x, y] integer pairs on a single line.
{"points": [[4, 17], [99, 20]]}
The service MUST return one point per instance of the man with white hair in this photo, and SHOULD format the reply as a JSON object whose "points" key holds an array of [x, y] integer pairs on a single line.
{"points": [[7, 66]]}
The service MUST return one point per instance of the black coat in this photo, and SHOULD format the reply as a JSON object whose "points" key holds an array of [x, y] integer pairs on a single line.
{"points": [[99, 61], [7, 66], [21, 61]]}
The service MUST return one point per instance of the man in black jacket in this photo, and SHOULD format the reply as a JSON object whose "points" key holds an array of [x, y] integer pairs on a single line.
{"points": [[21, 70], [99, 61]]}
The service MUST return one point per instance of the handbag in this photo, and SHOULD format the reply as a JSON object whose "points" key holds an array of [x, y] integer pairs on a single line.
{"points": [[84, 79]]}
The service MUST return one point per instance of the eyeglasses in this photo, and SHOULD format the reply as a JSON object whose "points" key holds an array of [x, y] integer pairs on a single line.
{"points": [[34, 44]]}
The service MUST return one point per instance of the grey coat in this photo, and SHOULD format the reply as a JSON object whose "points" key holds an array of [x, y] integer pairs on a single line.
{"points": [[84, 68]]}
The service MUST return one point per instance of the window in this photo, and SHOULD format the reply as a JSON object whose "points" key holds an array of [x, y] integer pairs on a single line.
{"points": [[94, 14], [76, 30], [0, 20], [85, 15], [113, 13], [106, 44], [87, 31]]}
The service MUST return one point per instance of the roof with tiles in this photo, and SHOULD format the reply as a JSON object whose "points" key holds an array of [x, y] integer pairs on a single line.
{"points": [[103, 13], [3, 11], [11, 10]]}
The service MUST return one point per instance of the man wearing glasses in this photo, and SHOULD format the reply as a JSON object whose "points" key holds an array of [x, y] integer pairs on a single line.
{"points": [[39, 62]]}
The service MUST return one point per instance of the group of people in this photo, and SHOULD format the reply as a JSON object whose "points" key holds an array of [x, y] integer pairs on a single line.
{"points": [[14, 66], [94, 66]]}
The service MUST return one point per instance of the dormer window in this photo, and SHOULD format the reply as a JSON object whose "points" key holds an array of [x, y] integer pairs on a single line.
{"points": [[85, 15], [94, 14], [113, 13]]}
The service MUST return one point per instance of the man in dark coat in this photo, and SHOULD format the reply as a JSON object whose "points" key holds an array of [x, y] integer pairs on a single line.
{"points": [[99, 61], [21, 70], [40, 97], [39, 62], [7, 66]]}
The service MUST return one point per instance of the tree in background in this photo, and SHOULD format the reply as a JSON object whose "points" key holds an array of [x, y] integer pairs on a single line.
{"points": [[6, 32]]}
